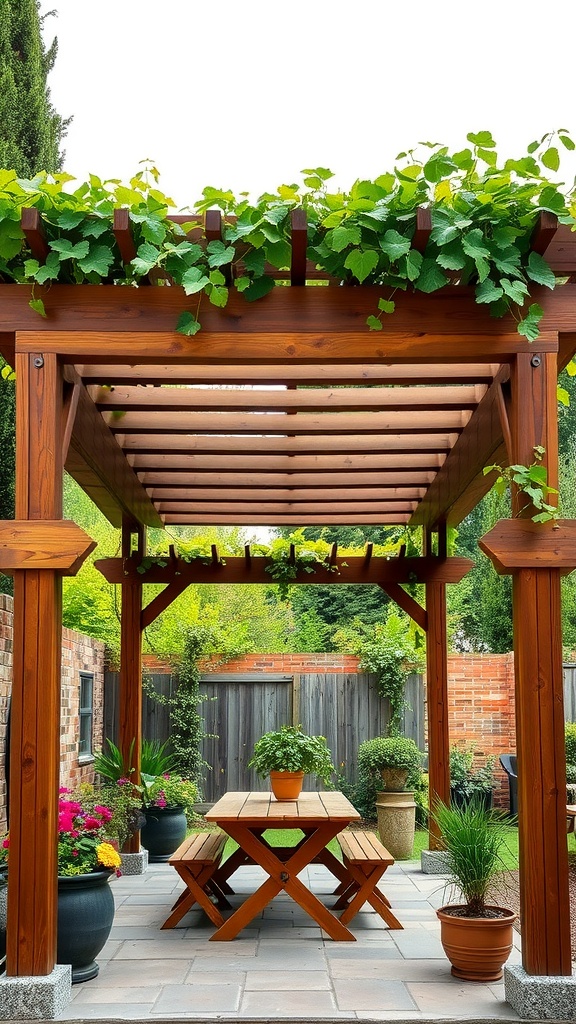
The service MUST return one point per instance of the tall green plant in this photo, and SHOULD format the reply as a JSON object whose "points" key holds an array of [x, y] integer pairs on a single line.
{"points": [[474, 838]]}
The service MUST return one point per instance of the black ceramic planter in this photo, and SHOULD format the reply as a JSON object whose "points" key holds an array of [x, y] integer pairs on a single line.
{"points": [[85, 916], [163, 832]]}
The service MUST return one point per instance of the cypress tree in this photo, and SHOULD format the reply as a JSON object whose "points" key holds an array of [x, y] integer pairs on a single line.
{"points": [[30, 136], [30, 129]]}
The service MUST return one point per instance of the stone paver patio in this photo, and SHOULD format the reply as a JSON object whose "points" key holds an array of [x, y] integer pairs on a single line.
{"points": [[281, 966]]}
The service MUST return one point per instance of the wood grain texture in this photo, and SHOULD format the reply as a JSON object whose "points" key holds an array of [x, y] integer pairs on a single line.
{"points": [[437, 698], [227, 492], [303, 485], [261, 507], [296, 520], [236, 570], [452, 311], [45, 544], [35, 723], [202, 444], [386, 465], [522, 544]]}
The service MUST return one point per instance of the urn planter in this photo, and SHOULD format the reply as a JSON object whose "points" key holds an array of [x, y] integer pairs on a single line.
{"points": [[477, 947], [164, 830], [85, 916]]}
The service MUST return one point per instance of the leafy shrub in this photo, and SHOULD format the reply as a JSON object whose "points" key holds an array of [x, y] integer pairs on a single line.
{"points": [[468, 778], [389, 752], [570, 738], [291, 750]]}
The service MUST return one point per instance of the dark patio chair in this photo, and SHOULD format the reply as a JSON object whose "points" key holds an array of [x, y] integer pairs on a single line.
{"points": [[508, 762]]}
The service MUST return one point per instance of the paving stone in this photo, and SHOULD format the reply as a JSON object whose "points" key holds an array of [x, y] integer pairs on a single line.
{"points": [[372, 994], [261, 981], [194, 999], [288, 1004], [356, 953], [149, 949], [418, 944], [141, 973], [108, 994], [106, 1011], [460, 999]]}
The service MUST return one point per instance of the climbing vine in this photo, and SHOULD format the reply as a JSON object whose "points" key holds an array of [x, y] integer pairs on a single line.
{"points": [[483, 211], [531, 481]]}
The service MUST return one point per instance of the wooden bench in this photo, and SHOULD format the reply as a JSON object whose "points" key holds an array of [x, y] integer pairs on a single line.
{"points": [[196, 861], [570, 817], [365, 860]]}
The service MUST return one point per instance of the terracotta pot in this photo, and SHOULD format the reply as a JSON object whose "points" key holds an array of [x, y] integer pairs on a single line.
{"points": [[477, 947], [286, 785]]}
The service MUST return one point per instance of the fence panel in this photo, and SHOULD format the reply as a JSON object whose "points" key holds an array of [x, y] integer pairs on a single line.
{"points": [[570, 692]]}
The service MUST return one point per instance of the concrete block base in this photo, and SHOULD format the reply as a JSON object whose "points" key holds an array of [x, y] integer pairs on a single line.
{"points": [[435, 862], [134, 863], [36, 998], [540, 997]]}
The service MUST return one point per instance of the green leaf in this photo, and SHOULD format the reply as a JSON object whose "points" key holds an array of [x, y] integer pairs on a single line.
{"points": [[431, 277], [571, 368], [279, 254], [551, 158], [259, 287], [515, 290], [481, 139], [70, 219], [194, 280], [566, 141], [443, 232], [386, 306], [255, 261], [551, 199], [50, 271], [94, 228], [31, 268], [68, 250], [217, 295], [488, 292], [154, 230], [242, 283], [217, 277], [539, 271], [452, 257], [474, 244], [529, 326], [187, 324], [394, 244], [374, 323], [38, 306], [219, 254], [98, 261], [361, 264], [342, 236], [146, 258], [413, 264]]}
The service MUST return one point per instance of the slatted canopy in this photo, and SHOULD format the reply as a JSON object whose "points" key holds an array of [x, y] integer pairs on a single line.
{"points": [[284, 411]]}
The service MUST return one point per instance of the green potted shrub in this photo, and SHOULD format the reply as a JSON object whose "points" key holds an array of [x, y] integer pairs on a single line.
{"points": [[469, 778], [476, 935], [167, 801], [287, 755], [397, 761]]}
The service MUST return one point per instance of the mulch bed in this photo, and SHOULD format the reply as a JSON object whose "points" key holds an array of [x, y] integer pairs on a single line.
{"points": [[510, 891]]}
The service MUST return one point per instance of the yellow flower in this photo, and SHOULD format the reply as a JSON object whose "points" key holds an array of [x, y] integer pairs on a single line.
{"points": [[108, 856]]}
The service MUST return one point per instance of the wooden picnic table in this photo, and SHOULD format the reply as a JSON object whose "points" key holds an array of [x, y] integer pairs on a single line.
{"points": [[247, 816]]}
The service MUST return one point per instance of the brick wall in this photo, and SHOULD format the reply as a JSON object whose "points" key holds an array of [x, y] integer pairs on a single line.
{"points": [[480, 694], [79, 654]]}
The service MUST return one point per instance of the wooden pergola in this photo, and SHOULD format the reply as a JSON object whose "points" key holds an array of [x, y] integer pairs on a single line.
{"points": [[359, 428]]}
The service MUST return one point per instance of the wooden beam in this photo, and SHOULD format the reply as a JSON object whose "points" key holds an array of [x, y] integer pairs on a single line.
{"points": [[299, 239], [523, 544], [376, 570], [544, 232], [304, 484], [387, 465], [243, 495], [34, 233], [320, 373], [46, 544], [162, 601], [407, 603], [539, 697], [35, 709], [69, 409], [473, 450], [279, 445], [321, 312], [130, 683], [277, 345], [263, 508], [437, 702], [297, 520], [93, 452], [122, 229], [137, 399], [326, 424]]}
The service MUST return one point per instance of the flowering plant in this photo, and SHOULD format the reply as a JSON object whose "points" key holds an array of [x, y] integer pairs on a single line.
{"points": [[168, 790], [83, 838]]}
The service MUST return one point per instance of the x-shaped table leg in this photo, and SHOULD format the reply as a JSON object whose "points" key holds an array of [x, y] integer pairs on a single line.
{"points": [[365, 883], [195, 893], [283, 875]]}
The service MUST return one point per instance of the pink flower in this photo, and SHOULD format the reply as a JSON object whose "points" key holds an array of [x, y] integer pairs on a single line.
{"points": [[104, 812], [92, 823], [6, 843], [161, 799]]}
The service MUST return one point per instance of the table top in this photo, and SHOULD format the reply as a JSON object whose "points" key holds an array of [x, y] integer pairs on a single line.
{"points": [[257, 809]]}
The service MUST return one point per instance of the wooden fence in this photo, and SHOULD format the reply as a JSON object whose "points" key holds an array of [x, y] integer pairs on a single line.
{"points": [[346, 708], [570, 692]]}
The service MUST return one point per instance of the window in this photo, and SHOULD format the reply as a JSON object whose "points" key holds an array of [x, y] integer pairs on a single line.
{"points": [[86, 712]]}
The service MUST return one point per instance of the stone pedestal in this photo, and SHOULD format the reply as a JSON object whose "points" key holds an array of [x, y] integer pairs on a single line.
{"points": [[435, 862], [36, 998], [134, 863], [540, 997], [396, 822]]}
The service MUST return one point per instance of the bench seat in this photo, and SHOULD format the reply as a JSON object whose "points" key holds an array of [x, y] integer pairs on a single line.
{"points": [[365, 860], [196, 860]]}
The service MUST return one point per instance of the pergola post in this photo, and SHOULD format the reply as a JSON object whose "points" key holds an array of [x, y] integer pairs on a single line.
{"points": [[437, 700], [130, 697], [544, 896], [35, 714]]}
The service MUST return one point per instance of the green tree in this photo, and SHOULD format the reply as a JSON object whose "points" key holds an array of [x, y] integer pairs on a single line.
{"points": [[31, 130]]}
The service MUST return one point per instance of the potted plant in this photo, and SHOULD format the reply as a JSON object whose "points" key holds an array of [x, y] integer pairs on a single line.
{"points": [[469, 778], [287, 755], [476, 935], [86, 860], [166, 801], [396, 760]]}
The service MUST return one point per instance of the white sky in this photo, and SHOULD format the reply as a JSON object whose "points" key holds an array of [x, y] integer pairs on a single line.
{"points": [[243, 94]]}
